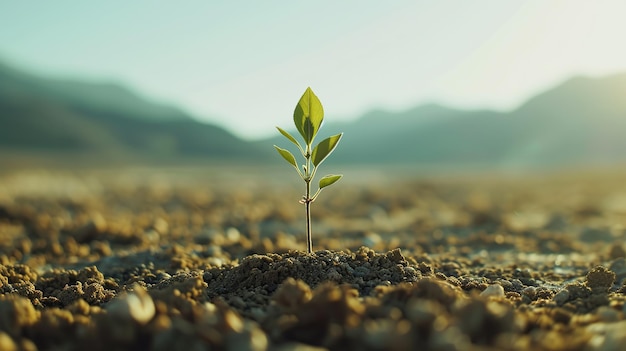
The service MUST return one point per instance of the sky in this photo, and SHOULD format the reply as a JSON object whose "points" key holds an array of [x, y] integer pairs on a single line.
{"points": [[244, 64]]}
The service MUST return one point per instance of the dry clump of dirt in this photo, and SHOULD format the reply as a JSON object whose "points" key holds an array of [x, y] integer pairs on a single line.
{"points": [[167, 264]]}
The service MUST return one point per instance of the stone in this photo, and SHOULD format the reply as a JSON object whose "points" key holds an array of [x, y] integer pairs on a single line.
{"points": [[137, 306], [494, 290], [561, 297], [600, 279]]}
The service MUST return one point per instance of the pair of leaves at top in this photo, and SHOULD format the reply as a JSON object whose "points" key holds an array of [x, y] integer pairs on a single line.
{"points": [[320, 152], [308, 117]]}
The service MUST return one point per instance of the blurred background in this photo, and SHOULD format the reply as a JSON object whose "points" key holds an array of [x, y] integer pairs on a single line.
{"points": [[425, 86]]}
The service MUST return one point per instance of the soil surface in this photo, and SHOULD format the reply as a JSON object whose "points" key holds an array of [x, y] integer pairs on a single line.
{"points": [[199, 260]]}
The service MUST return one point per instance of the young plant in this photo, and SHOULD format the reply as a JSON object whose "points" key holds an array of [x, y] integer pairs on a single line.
{"points": [[308, 117]]}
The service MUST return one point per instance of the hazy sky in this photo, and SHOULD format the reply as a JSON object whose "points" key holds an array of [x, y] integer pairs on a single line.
{"points": [[244, 64]]}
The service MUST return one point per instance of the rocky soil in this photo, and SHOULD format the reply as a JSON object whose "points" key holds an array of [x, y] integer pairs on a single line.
{"points": [[198, 260]]}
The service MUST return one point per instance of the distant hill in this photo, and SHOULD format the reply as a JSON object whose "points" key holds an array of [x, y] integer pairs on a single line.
{"points": [[50, 115], [580, 122], [577, 123]]}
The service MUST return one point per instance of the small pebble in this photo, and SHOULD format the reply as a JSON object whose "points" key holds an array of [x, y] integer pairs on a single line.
{"points": [[530, 291], [561, 297], [494, 290], [137, 305]]}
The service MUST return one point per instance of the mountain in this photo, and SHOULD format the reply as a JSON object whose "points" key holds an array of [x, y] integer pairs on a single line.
{"points": [[59, 116], [580, 122]]}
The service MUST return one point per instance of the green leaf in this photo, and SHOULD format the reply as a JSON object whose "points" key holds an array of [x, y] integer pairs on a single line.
{"points": [[288, 156], [289, 136], [308, 116], [324, 148], [329, 180]]}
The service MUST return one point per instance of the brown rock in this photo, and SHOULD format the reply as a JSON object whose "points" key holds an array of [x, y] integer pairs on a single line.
{"points": [[600, 279], [16, 313], [292, 294]]}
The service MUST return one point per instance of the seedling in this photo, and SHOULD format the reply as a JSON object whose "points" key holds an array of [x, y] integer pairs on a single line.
{"points": [[308, 117]]}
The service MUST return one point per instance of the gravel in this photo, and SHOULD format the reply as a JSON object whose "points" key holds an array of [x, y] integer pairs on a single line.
{"points": [[140, 261]]}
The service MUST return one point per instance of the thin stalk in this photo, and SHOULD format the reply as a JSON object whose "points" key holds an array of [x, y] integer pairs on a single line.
{"points": [[307, 208], [307, 198]]}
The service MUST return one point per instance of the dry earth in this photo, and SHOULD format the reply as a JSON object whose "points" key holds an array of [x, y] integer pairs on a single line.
{"points": [[197, 261]]}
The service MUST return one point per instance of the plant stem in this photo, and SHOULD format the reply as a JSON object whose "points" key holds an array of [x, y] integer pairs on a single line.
{"points": [[307, 208], [307, 198]]}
